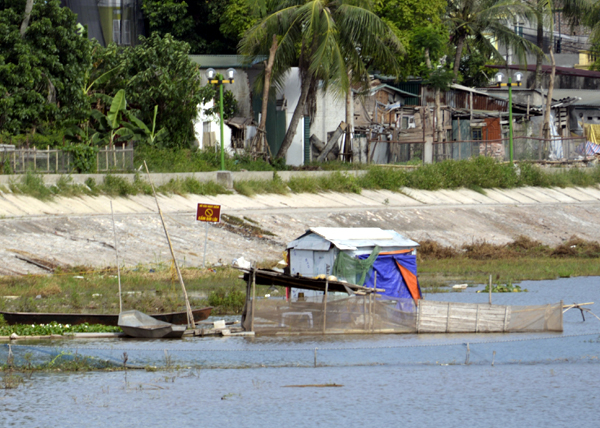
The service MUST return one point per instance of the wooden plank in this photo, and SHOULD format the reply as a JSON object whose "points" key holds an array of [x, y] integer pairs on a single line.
{"points": [[334, 138], [33, 262]]}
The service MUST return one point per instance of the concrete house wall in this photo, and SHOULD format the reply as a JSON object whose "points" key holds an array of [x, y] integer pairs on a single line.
{"points": [[331, 110]]}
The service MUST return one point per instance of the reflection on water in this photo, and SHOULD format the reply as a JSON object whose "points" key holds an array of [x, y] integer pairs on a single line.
{"points": [[389, 380]]}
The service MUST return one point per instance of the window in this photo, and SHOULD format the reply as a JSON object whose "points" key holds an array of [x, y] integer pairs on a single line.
{"points": [[519, 29], [476, 134], [117, 31], [126, 32]]}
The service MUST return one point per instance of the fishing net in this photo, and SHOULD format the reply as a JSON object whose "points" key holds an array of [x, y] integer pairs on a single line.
{"points": [[353, 269], [311, 351], [336, 314]]}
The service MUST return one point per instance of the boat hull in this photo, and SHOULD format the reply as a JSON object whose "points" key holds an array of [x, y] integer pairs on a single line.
{"points": [[104, 319], [139, 325]]}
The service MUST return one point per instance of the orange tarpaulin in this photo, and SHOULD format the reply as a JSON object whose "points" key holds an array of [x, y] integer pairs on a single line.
{"points": [[409, 278]]}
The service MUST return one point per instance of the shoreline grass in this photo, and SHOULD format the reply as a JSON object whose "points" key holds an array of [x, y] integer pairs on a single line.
{"points": [[149, 289], [156, 289], [520, 260], [476, 174]]}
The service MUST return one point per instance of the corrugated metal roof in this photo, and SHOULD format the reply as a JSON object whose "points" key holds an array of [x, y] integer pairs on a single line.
{"points": [[347, 238], [586, 97], [394, 89], [224, 61], [310, 241]]}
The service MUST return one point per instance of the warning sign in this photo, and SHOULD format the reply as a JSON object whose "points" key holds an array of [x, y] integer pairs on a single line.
{"points": [[210, 213]]}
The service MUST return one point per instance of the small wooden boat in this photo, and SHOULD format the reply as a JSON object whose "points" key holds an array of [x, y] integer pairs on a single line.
{"points": [[138, 324], [104, 319]]}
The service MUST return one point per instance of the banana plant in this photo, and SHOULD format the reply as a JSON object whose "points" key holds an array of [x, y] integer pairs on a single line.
{"points": [[142, 132], [111, 124], [87, 86]]}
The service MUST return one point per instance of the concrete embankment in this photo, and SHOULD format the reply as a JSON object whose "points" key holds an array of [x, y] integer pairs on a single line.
{"points": [[78, 231]]}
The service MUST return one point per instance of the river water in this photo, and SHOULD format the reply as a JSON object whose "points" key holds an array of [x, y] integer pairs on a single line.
{"points": [[497, 380]]}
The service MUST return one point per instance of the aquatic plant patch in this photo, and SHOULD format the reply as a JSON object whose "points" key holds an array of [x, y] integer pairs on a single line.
{"points": [[503, 288], [55, 328]]}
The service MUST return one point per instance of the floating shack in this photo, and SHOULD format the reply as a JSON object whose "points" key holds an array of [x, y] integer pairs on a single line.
{"points": [[364, 280]]}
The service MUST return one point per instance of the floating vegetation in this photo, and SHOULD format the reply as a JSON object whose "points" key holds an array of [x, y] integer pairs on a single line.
{"points": [[503, 288], [54, 328]]}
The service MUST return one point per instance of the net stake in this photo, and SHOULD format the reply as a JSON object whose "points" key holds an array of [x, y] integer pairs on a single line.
{"points": [[253, 299], [190, 315], [117, 255], [325, 305]]}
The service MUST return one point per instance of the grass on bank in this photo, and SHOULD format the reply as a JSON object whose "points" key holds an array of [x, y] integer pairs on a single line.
{"points": [[523, 259], [157, 289], [477, 174], [150, 290], [113, 185]]}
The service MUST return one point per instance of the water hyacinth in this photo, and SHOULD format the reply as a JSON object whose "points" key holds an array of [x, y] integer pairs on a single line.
{"points": [[54, 328]]}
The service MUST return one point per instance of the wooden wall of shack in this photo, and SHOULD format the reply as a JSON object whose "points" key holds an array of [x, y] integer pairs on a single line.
{"points": [[480, 117], [466, 100]]}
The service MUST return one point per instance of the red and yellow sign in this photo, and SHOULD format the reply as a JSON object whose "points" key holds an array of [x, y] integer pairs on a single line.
{"points": [[209, 213]]}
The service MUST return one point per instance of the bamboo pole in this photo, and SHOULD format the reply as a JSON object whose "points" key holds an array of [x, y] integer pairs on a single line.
{"points": [[253, 299], [577, 304], [490, 291], [325, 306], [190, 315], [371, 302], [117, 252]]}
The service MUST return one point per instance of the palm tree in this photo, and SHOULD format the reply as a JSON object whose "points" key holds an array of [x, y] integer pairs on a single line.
{"points": [[480, 19], [26, 17], [331, 41]]}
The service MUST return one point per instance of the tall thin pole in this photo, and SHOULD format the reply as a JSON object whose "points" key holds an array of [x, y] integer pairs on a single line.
{"points": [[205, 243], [510, 121], [221, 113], [117, 251], [325, 305], [253, 299], [190, 315]]}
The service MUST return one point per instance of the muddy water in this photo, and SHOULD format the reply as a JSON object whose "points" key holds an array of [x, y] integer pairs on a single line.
{"points": [[548, 380]]}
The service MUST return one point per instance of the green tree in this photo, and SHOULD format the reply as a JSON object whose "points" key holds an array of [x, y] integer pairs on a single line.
{"points": [[486, 22], [160, 72], [408, 19], [331, 41], [238, 17], [42, 71], [196, 22]]}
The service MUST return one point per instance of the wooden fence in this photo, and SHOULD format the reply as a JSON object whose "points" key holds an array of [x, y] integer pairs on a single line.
{"points": [[19, 161]]}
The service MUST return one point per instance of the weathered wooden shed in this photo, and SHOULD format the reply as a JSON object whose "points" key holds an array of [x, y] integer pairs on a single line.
{"points": [[315, 252]]}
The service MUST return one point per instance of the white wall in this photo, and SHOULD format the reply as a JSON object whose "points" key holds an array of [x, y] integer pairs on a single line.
{"points": [[214, 126], [330, 112]]}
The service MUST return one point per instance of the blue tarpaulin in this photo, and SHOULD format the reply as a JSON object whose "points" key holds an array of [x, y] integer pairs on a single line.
{"points": [[390, 277]]}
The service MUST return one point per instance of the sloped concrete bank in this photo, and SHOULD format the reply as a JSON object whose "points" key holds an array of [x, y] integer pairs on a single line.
{"points": [[78, 231]]}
